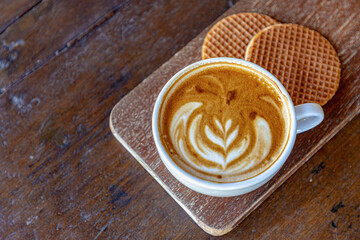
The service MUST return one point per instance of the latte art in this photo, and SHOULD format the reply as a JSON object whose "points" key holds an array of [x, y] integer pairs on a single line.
{"points": [[223, 124], [226, 154]]}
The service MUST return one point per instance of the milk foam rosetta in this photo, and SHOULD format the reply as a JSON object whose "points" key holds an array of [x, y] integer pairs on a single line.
{"points": [[223, 122]]}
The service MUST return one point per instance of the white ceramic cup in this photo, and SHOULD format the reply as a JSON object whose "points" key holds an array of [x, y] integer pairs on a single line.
{"points": [[302, 118]]}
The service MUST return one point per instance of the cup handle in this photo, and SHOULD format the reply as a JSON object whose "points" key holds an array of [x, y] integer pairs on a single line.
{"points": [[308, 116]]}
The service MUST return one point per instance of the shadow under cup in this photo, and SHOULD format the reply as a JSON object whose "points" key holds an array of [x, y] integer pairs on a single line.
{"points": [[181, 172]]}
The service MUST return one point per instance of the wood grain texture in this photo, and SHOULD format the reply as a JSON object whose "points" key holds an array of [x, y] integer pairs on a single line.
{"points": [[11, 10], [63, 175], [39, 35], [131, 118]]}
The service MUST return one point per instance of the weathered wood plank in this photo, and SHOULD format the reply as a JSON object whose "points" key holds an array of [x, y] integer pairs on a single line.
{"points": [[45, 31], [63, 174], [92, 188], [11, 10], [131, 119]]}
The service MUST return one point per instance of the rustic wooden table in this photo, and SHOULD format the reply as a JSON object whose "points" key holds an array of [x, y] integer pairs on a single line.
{"points": [[65, 64]]}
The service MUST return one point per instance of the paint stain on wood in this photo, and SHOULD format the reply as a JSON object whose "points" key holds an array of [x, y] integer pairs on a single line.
{"points": [[333, 224], [336, 207], [118, 196], [319, 168], [49, 131]]}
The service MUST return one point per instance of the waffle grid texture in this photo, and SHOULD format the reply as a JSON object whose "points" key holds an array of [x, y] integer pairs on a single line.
{"points": [[230, 36], [303, 60]]}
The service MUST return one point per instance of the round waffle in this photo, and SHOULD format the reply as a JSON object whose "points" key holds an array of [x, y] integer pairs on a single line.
{"points": [[303, 60], [230, 36]]}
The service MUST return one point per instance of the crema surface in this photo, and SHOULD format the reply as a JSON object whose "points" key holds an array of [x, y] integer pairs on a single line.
{"points": [[224, 122]]}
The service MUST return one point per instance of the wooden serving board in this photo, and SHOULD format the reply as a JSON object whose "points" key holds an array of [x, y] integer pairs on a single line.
{"points": [[130, 120]]}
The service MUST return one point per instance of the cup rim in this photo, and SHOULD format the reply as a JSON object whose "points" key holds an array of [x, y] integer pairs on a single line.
{"points": [[209, 185]]}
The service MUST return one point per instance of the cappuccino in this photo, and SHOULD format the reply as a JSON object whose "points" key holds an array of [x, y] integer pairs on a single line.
{"points": [[224, 122]]}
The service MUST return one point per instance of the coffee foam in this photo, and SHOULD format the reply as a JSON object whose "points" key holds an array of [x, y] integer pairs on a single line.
{"points": [[224, 122]]}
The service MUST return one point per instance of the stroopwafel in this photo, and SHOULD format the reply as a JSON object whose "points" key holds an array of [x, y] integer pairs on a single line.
{"points": [[303, 60], [231, 35]]}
